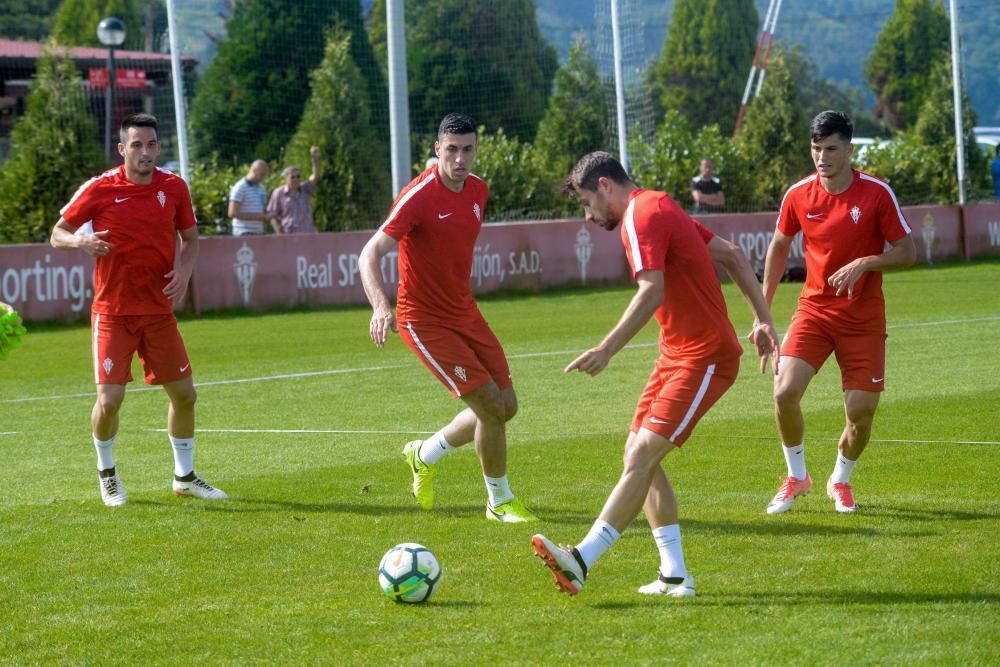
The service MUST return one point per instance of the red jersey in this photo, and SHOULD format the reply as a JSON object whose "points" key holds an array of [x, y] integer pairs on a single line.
{"points": [[142, 221], [694, 322], [837, 229], [437, 230]]}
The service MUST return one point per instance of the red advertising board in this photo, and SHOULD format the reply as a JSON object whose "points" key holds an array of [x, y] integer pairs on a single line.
{"points": [[124, 78], [982, 230], [262, 272]]}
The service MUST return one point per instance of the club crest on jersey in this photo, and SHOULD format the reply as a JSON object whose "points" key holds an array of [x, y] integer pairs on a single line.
{"points": [[460, 373], [108, 365], [855, 214], [162, 198], [479, 213]]}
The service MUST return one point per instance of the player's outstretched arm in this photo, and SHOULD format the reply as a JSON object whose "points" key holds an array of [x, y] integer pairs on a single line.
{"points": [[64, 238], [370, 266], [647, 299], [763, 335], [903, 253]]}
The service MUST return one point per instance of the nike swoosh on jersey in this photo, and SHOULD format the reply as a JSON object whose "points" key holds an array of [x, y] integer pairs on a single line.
{"points": [[119, 201], [812, 216], [658, 421], [442, 216]]}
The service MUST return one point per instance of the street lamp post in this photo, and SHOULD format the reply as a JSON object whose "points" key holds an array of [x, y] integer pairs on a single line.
{"points": [[111, 32]]}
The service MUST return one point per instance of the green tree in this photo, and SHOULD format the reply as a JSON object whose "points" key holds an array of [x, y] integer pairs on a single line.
{"points": [[820, 94], [354, 189], [248, 103], [920, 162], [913, 39], [522, 185], [481, 57], [75, 23], [27, 19], [775, 134], [53, 150], [672, 157], [703, 67], [576, 121]]}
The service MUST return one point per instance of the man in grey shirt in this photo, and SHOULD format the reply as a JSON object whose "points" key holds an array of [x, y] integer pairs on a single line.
{"points": [[247, 201], [291, 204]]}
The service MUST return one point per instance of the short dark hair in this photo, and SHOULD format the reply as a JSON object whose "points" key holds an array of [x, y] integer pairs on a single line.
{"points": [[136, 120], [456, 123], [592, 167], [831, 122]]}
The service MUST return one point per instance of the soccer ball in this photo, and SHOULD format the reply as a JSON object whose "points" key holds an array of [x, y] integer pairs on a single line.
{"points": [[409, 573]]}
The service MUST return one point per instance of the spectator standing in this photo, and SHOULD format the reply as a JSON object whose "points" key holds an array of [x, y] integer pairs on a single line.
{"points": [[291, 203], [706, 189], [248, 200], [995, 171]]}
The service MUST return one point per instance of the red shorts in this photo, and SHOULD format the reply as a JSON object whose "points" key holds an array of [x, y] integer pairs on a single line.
{"points": [[812, 336], [676, 397], [155, 337], [462, 357]]}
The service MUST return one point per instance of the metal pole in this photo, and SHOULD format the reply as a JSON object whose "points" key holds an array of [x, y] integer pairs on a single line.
{"points": [[619, 86], [177, 74], [753, 68], [109, 97], [767, 51], [399, 101], [956, 85]]}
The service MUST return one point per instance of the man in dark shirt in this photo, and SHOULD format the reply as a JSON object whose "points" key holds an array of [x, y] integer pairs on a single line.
{"points": [[706, 190]]}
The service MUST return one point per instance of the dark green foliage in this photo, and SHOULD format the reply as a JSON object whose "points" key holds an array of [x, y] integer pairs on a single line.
{"points": [[671, 159], [522, 183], [775, 134], [486, 58], [819, 94], [702, 70], [576, 120], [251, 97], [53, 151], [920, 163], [354, 190], [912, 40], [75, 24], [27, 19], [211, 181]]}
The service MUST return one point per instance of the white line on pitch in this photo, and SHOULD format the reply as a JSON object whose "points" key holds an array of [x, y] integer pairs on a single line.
{"points": [[905, 325], [525, 434], [342, 371]]}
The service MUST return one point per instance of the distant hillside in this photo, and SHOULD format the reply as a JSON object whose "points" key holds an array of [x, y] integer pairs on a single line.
{"points": [[837, 35]]}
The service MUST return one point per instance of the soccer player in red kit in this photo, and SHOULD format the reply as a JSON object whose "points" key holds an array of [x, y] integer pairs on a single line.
{"points": [[434, 222], [846, 218], [671, 257], [135, 213]]}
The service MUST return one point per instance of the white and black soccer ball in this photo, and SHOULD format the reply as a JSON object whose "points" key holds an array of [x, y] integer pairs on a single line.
{"points": [[409, 573]]}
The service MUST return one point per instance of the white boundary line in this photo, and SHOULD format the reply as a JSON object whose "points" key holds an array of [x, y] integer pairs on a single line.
{"points": [[344, 371], [525, 434]]}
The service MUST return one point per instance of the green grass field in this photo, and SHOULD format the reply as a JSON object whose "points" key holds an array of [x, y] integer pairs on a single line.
{"points": [[301, 420]]}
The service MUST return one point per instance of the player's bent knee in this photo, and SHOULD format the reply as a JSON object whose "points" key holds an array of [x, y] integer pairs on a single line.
{"points": [[644, 453], [510, 409]]}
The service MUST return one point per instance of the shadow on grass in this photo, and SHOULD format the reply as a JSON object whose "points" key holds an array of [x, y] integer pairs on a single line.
{"points": [[779, 527], [843, 597], [243, 504]]}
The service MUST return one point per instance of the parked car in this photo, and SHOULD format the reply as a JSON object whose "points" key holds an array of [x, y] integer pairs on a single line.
{"points": [[862, 144], [988, 138]]}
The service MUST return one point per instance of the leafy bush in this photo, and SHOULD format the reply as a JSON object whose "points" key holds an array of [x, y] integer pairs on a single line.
{"points": [[53, 151]]}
